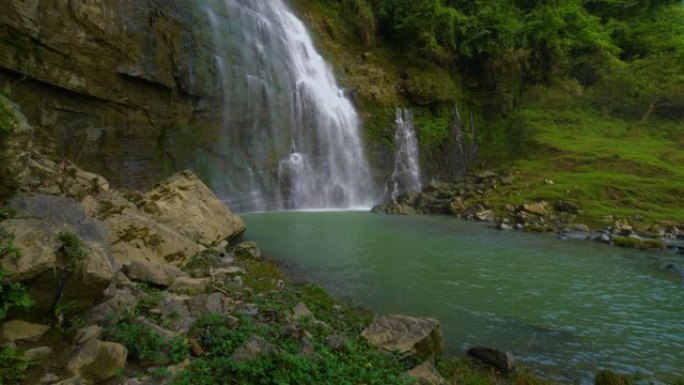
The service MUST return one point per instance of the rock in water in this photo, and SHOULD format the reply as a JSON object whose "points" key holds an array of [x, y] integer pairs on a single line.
{"points": [[426, 374], [419, 339], [98, 361], [186, 204], [502, 361]]}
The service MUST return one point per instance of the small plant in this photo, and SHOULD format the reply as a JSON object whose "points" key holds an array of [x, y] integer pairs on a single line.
{"points": [[71, 257], [148, 346], [12, 295], [12, 366]]}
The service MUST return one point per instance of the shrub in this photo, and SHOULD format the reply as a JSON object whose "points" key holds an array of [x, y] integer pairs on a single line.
{"points": [[12, 366], [148, 346]]}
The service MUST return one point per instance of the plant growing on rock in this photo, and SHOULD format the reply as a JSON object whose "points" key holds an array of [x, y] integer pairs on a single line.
{"points": [[70, 258], [12, 294], [12, 366]]}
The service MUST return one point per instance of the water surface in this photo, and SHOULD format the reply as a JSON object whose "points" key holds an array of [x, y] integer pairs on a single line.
{"points": [[565, 308]]}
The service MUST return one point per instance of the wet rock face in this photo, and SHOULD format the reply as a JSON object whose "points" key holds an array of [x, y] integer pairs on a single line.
{"points": [[113, 81]]}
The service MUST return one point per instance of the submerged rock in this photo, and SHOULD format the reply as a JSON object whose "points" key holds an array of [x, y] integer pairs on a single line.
{"points": [[417, 338], [502, 361]]}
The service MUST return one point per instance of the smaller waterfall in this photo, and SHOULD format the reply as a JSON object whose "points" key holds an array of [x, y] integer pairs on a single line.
{"points": [[406, 175]]}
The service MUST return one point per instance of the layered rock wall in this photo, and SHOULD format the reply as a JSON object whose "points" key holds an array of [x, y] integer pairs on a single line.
{"points": [[127, 88]]}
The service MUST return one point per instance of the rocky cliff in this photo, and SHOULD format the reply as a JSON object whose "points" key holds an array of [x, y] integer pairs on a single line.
{"points": [[125, 87]]}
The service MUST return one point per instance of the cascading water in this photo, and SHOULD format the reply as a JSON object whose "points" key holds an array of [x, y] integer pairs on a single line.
{"points": [[406, 175], [290, 138]]}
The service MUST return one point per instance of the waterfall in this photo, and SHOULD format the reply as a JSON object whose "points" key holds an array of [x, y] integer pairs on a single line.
{"points": [[290, 138], [406, 175]]}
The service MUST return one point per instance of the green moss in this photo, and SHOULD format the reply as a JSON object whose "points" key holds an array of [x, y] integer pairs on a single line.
{"points": [[635, 243], [144, 233]]}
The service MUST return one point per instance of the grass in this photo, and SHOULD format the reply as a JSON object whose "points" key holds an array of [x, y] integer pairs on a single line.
{"points": [[609, 166]]}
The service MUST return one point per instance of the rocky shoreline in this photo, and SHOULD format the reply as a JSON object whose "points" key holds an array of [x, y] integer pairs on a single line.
{"points": [[101, 286], [469, 198]]}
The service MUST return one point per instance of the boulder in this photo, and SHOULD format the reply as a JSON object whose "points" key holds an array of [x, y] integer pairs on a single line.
{"points": [[538, 208], [111, 311], [426, 374], [187, 205], [208, 304], [161, 274], [501, 361], [134, 235], [189, 285], [567, 207], [17, 330], [253, 348], [301, 311], [37, 222], [98, 361], [417, 338], [38, 353], [247, 250], [88, 333]]}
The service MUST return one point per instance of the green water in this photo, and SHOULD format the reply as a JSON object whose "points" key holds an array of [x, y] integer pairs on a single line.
{"points": [[564, 308]]}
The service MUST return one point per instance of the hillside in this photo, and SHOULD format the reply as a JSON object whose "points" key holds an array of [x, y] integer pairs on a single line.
{"points": [[588, 95]]}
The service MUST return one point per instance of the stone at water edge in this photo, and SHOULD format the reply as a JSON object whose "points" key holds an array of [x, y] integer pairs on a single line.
{"points": [[426, 374], [17, 330], [502, 361], [417, 338], [247, 250], [187, 205], [98, 361]]}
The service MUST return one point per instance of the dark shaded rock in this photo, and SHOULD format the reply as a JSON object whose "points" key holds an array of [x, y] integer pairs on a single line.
{"points": [[502, 361], [567, 207]]}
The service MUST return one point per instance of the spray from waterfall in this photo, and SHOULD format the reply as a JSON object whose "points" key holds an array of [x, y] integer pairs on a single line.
{"points": [[290, 138], [406, 176]]}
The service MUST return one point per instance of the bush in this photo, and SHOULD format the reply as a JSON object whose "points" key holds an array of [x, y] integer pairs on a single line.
{"points": [[146, 345], [12, 366], [12, 294]]}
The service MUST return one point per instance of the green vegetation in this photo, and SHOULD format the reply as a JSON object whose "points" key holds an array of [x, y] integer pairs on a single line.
{"points": [[358, 363], [148, 346], [589, 94], [13, 366], [71, 257], [12, 294]]}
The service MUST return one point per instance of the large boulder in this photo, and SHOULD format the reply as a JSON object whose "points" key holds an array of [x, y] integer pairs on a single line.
{"points": [[134, 235], [419, 339], [98, 361], [187, 205], [36, 226]]}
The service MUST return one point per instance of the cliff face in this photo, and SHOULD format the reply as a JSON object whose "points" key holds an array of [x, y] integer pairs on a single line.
{"points": [[120, 84]]}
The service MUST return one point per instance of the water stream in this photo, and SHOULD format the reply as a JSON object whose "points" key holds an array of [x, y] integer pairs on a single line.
{"points": [[290, 138], [565, 308], [406, 175]]}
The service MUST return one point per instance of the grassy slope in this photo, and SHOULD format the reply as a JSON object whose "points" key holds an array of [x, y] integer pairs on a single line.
{"points": [[608, 165]]}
